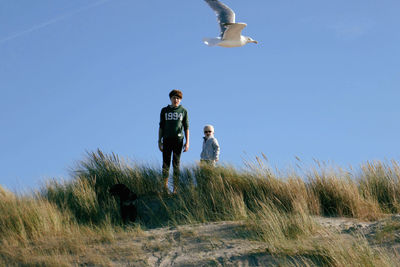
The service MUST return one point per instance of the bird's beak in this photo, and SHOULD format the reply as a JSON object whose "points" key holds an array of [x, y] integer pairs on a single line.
{"points": [[254, 41]]}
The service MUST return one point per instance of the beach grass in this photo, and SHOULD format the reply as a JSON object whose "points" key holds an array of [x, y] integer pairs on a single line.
{"points": [[62, 220]]}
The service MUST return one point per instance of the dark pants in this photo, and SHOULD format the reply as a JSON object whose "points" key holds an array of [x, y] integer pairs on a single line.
{"points": [[172, 146]]}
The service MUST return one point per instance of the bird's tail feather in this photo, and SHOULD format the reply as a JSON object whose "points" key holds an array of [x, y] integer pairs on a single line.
{"points": [[211, 41]]}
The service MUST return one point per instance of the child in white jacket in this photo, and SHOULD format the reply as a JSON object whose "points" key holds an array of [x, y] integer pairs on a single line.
{"points": [[210, 152]]}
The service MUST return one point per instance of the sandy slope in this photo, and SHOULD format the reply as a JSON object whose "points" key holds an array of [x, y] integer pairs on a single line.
{"points": [[192, 245], [220, 244]]}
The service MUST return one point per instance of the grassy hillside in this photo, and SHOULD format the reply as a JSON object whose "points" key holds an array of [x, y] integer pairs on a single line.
{"points": [[64, 219]]}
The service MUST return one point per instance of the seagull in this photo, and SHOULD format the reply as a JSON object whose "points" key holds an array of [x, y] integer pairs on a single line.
{"points": [[231, 32]]}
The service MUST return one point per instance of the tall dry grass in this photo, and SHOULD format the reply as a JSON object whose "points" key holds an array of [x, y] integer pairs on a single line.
{"points": [[86, 195], [335, 192], [26, 218], [381, 182], [334, 250], [225, 193], [281, 206], [35, 232], [300, 241]]}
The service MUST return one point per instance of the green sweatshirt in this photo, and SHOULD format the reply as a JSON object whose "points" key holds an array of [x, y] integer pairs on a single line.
{"points": [[173, 121]]}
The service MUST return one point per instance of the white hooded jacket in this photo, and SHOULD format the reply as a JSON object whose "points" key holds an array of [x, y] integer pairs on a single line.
{"points": [[210, 149]]}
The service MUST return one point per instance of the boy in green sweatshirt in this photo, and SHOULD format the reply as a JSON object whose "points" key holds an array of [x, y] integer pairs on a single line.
{"points": [[173, 121]]}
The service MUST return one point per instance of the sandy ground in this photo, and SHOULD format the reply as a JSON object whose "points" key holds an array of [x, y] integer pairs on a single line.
{"points": [[211, 244], [219, 244]]}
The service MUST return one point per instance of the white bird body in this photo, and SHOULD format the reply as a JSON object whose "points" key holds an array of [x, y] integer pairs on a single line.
{"points": [[225, 43], [231, 32], [234, 42]]}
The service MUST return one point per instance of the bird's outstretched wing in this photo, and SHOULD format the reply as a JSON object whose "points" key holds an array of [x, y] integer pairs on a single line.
{"points": [[233, 31], [225, 15]]}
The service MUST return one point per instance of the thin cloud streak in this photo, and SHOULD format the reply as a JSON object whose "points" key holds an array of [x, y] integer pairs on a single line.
{"points": [[54, 20]]}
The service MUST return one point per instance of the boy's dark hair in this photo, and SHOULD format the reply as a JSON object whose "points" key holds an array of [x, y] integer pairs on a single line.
{"points": [[175, 93]]}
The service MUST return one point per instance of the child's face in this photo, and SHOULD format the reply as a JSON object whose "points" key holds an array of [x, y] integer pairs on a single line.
{"points": [[175, 101], [208, 132]]}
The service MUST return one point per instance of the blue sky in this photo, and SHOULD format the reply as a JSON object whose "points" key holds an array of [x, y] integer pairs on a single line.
{"points": [[77, 75]]}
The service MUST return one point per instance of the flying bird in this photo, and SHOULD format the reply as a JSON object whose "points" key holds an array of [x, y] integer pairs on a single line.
{"points": [[231, 32]]}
